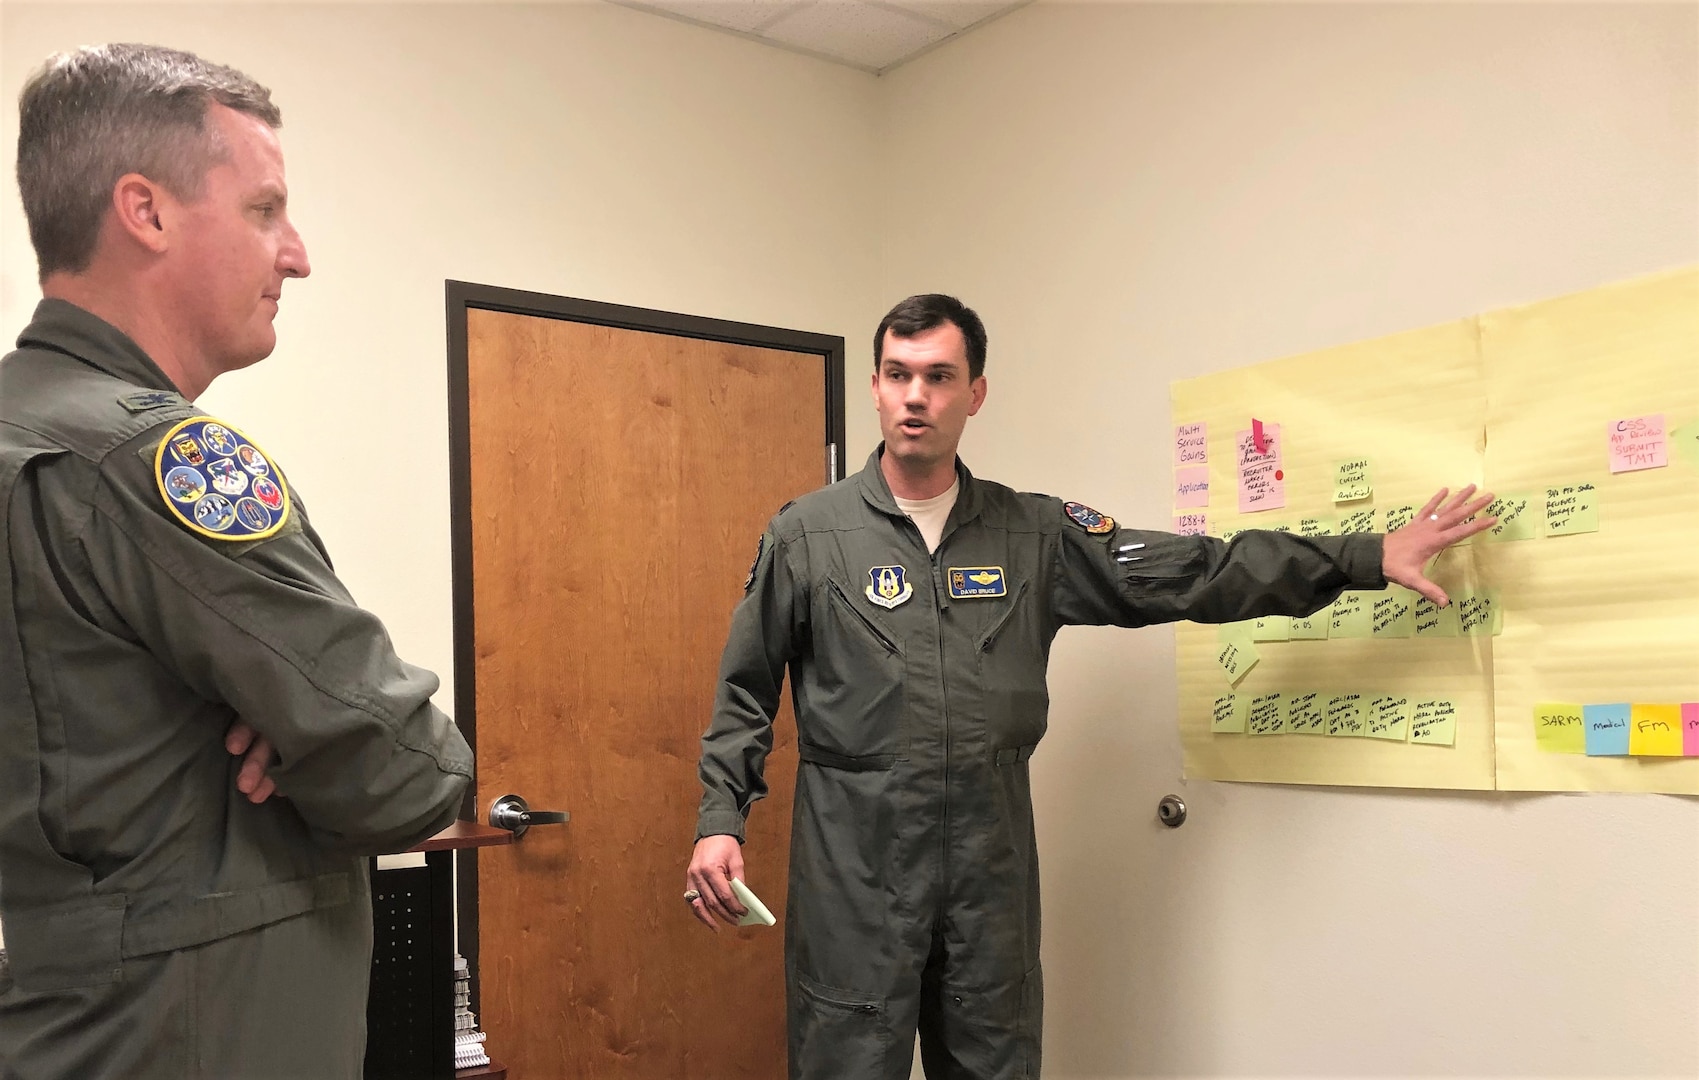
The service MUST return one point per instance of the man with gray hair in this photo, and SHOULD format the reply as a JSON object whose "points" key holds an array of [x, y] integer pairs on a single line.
{"points": [[172, 636]]}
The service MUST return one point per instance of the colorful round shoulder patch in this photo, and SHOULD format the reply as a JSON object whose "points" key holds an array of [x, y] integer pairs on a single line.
{"points": [[218, 483], [1088, 519]]}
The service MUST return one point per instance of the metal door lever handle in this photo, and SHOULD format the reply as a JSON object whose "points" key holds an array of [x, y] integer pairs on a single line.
{"points": [[512, 813]]}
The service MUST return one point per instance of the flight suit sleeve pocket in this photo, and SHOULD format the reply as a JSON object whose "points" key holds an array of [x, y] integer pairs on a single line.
{"points": [[1158, 559], [837, 1033]]}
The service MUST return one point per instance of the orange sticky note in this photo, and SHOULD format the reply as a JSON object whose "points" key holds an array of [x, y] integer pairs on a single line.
{"points": [[1654, 731]]}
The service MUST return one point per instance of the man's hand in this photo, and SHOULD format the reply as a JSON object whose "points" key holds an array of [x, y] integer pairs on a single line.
{"points": [[716, 860], [1436, 528], [256, 753]]}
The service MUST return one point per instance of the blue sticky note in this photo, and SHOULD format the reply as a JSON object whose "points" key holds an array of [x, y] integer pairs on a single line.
{"points": [[1607, 729]]}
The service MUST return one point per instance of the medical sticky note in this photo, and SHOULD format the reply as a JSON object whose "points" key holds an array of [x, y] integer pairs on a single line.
{"points": [[1558, 728], [1399, 516], [1262, 476], [1389, 718], [1638, 442], [1433, 723], [1607, 729], [1268, 715], [1357, 521], [1571, 509], [1394, 616], [1191, 444], [1191, 525], [1351, 480], [1306, 714], [1228, 716], [1345, 715], [1311, 627], [1479, 615], [1433, 621], [1516, 515], [1237, 658], [1654, 730], [1271, 628], [1191, 488], [1352, 616], [1315, 526]]}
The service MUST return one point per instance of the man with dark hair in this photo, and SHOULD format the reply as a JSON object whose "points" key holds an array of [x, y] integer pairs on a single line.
{"points": [[914, 606], [172, 636]]}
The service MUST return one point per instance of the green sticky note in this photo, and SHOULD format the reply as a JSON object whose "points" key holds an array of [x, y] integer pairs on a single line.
{"points": [[1685, 439], [1433, 621], [1573, 508], [1394, 616], [1268, 715], [1480, 615], [1237, 658], [1228, 716], [1357, 521], [1516, 516], [1389, 718], [1228, 534], [1311, 627], [1345, 715], [1280, 528], [1399, 516], [1315, 526], [1234, 631], [1352, 616], [1558, 728], [1272, 628], [1351, 480], [1306, 714], [1434, 723]]}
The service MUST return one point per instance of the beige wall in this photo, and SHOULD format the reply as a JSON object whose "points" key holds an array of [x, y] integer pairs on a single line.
{"points": [[1134, 194], [1130, 194]]}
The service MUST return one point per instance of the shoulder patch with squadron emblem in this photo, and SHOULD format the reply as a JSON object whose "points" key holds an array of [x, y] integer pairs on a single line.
{"points": [[1088, 519], [218, 484], [888, 586]]}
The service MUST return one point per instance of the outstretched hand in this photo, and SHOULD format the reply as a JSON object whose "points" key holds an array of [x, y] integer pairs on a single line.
{"points": [[716, 860], [1441, 523], [255, 750]]}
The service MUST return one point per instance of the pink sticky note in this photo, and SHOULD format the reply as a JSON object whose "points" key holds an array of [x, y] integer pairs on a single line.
{"points": [[1190, 524], [1262, 477], [1690, 729], [1259, 439], [1191, 444], [1191, 487], [1638, 443]]}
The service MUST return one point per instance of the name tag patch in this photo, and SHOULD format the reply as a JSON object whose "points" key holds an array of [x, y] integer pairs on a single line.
{"points": [[972, 582]]}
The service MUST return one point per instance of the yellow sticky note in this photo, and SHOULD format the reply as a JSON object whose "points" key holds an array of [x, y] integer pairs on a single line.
{"points": [[1345, 715], [1389, 718], [1399, 516], [1311, 627], [1351, 480], [1306, 714], [1572, 508], [1654, 730], [1516, 515], [1433, 621], [1434, 723], [1234, 631], [1237, 658], [1357, 521], [1268, 715], [1686, 441], [1228, 716], [1352, 616], [1558, 728], [1479, 615], [1315, 526], [1393, 617], [1272, 628]]}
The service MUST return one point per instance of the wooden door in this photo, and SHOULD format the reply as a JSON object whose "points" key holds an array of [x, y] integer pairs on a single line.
{"points": [[615, 482]]}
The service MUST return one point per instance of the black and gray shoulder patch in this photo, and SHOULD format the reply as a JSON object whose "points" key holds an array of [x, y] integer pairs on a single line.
{"points": [[140, 401], [760, 550]]}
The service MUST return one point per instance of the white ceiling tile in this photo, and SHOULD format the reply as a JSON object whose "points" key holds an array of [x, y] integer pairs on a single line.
{"points": [[958, 14], [867, 36], [745, 15]]}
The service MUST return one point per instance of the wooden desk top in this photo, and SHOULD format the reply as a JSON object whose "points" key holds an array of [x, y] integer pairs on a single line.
{"points": [[465, 834]]}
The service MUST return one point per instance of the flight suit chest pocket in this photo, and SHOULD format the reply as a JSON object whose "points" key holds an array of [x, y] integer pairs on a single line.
{"points": [[855, 705], [1013, 654]]}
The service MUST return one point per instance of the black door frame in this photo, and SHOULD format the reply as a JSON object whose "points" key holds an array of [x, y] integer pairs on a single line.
{"points": [[463, 297]]}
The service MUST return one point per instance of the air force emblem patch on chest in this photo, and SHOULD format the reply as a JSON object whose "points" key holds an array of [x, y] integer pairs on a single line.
{"points": [[888, 586], [972, 582]]}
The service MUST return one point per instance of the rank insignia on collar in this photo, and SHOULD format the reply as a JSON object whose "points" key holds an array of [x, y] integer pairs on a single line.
{"points": [[888, 586], [218, 484], [971, 582], [143, 400], [1088, 519]]}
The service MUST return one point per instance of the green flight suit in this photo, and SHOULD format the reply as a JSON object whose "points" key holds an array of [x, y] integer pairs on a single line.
{"points": [[157, 923], [919, 687]]}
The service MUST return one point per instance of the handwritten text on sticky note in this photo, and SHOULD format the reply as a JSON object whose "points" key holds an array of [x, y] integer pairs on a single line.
{"points": [[1191, 524], [1191, 444], [1228, 716], [1268, 716], [1306, 714], [1607, 729], [1237, 658], [1434, 723], [1638, 443], [1654, 730], [1191, 487], [1351, 480], [1345, 715], [1558, 728], [1515, 515], [1262, 477], [1572, 508]]}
